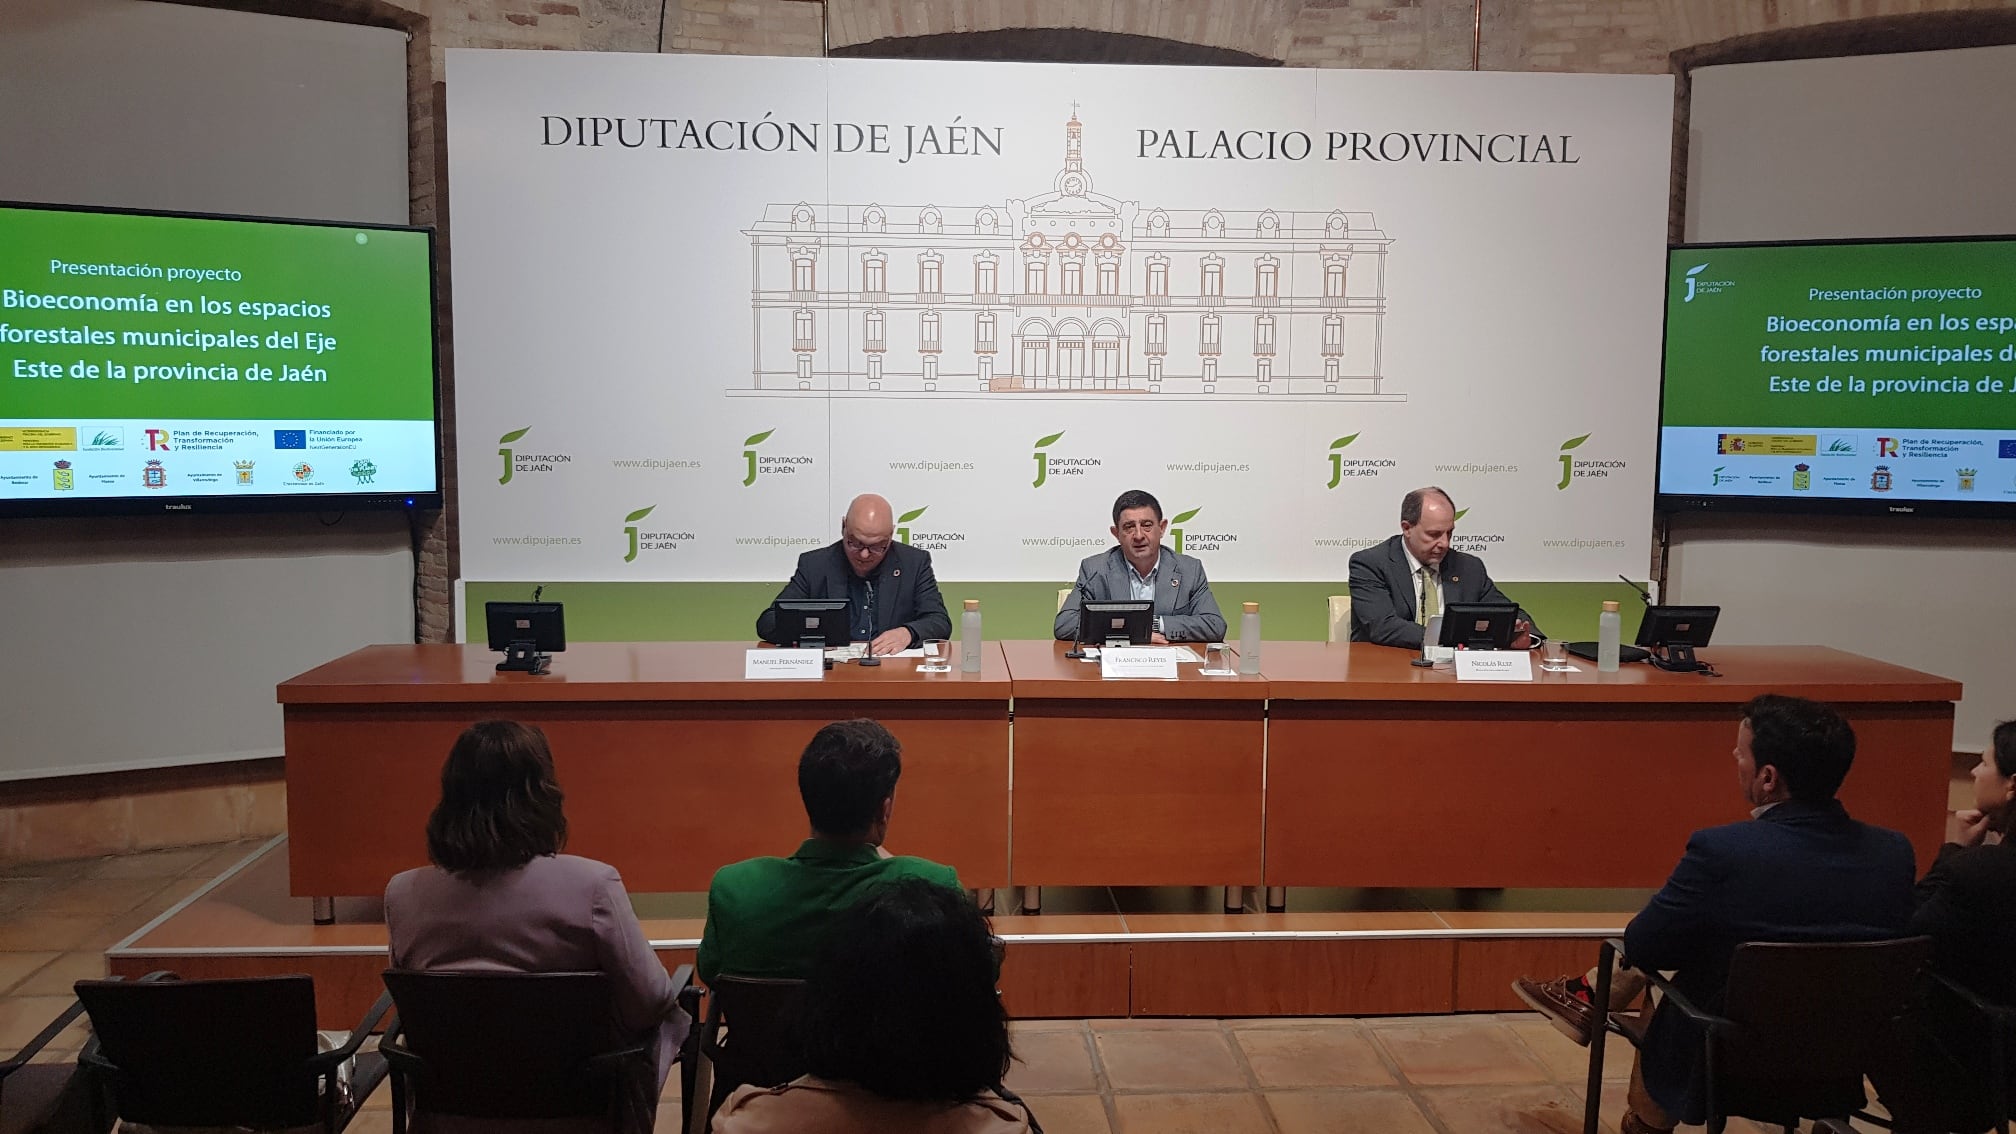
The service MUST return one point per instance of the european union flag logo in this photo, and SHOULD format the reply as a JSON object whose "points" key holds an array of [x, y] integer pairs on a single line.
{"points": [[290, 439], [2008, 449]]}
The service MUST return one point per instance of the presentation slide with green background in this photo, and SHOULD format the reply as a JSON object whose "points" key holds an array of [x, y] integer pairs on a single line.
{"points": [[1880, 372], [1878, 336], [124, 316]]}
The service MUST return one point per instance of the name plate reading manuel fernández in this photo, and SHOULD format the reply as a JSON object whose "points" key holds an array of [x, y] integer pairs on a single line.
{"points": [[784, 664], [1494, 665]]}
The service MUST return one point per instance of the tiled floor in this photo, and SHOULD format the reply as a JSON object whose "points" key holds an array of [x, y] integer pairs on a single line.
{"points": [[1417, 1075]]}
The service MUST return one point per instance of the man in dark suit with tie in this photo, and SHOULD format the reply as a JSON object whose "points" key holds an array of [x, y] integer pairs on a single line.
{"points": [[1798, 870], [1397, 586], [895, 596]]}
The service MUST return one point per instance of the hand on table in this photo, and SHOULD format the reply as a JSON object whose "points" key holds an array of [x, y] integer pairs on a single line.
{"points": [[1522, 635], [1157, 639], [890, 642]]}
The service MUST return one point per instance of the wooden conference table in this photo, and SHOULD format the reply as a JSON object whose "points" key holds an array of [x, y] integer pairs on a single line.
{"points": [[1335, 766]]}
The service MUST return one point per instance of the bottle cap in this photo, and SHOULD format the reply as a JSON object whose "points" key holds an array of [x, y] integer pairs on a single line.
{"points": [[974, 604], [1250, 607], [1609, 608]]}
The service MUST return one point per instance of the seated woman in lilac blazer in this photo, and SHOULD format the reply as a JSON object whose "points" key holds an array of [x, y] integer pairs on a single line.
{"points": [[501, 897]]}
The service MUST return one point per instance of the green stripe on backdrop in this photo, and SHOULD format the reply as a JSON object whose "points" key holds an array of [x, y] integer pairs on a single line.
{"points": [[726, 612]]}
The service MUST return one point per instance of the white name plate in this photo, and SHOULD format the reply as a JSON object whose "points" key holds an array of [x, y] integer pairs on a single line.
{"points": [[1154, 662], [1494, 665], [788, 664]]}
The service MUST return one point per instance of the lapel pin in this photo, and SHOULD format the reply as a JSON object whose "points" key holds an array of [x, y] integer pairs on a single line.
{"points": [[897, 573]]}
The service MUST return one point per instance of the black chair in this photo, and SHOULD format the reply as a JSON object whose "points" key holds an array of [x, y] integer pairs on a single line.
{"points": [[232, 1052], [1800, 1024], [516, 1046], [753, 1036], [45, 1097], [1925, 1039]]}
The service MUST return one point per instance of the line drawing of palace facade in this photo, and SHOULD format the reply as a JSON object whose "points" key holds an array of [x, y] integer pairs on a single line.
{"points": [[1070, 292]]}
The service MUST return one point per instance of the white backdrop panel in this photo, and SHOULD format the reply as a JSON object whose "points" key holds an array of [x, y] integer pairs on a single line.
{"points": [[738, 336]]}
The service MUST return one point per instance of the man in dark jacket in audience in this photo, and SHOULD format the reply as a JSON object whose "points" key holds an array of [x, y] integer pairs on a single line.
{"points": [[1799, 870]]}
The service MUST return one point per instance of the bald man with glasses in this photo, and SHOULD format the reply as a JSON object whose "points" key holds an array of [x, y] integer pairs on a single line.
{"points": [[895, 596]]}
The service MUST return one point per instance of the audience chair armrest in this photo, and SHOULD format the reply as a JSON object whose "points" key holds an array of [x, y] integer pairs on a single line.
{"points": [[42, 1039], [2001, 1015], [322, 1063], [1613, 949], [1685, 1006]]}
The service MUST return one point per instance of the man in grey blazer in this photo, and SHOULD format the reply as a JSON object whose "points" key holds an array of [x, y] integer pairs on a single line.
{"points": [[1141, 568], [1394, 583]]}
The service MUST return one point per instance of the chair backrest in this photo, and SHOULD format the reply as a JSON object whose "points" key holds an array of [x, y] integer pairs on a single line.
{"points": [[1063, 596], [1810, 1017], [755, 1033], [1340, 618], [208, 1052], [505, 1045]]}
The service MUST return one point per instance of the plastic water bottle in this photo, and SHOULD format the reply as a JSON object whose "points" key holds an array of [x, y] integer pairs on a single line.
{"points": [[969, 637], [1609, 630], [1249, 638]]}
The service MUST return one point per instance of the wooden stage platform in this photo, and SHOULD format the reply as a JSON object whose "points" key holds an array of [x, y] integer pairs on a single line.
{"points": [[1093, 952]]}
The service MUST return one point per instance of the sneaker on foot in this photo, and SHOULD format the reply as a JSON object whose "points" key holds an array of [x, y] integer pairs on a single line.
{"points": [[1567, 1004]]}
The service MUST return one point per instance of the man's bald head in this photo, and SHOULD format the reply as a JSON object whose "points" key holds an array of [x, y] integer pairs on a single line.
{"points": [[866, 532]]}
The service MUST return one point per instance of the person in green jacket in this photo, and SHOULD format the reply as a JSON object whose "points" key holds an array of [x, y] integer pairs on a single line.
{"points": [[767, 916]]}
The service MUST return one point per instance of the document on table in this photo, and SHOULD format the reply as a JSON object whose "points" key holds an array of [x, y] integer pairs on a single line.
{"points": [[1184, 655], [860, 649]]}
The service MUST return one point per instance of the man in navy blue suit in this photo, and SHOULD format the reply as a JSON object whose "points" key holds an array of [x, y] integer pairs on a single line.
{"points": [[1799, 870]]}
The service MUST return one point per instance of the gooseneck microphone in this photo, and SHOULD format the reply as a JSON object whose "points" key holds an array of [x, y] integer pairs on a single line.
{"points": [[1644, 595]]}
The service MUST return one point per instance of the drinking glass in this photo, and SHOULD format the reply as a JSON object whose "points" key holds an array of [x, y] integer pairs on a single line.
{"points": [[1554, 656], [937, 656]]}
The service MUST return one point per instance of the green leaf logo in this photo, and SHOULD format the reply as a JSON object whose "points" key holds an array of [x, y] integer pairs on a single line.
{"points": [[759, 438], [1573, 442], [1185, 517], [1459, 515], [639, 514], [1697, 269], [513, 435], [909, 516], [1343, 441], [1050, 440]]}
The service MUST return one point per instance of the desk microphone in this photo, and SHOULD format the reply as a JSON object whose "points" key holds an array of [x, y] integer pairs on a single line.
{"points": [[868, 654], [1643, 594], [537, 591]]}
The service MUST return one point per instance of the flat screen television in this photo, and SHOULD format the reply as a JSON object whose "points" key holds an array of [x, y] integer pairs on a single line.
{"points": [[170, 362], [1868, 376]]}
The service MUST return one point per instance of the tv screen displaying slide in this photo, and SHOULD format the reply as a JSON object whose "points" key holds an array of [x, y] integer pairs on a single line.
{"points": [[1850, 376], [165, 362]]}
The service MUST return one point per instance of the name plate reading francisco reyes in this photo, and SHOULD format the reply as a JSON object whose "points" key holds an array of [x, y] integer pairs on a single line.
{"points": [[1153, 662], [787, 664], [1494, 665]]}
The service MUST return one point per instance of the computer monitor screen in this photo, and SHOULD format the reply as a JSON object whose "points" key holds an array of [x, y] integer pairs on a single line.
{"points": [[539, 623], [1116, 623], [1666, 626], [1479, 625], [814, 623]]}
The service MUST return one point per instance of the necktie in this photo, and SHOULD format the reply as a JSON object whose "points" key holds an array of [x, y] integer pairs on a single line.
{"points": [[1431, 596]]}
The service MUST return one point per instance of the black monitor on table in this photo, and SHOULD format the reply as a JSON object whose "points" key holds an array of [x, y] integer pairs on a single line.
{"points": [[1479, 625], [813, 624], [525, 633], [1116, 622], [1673, 633]]}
